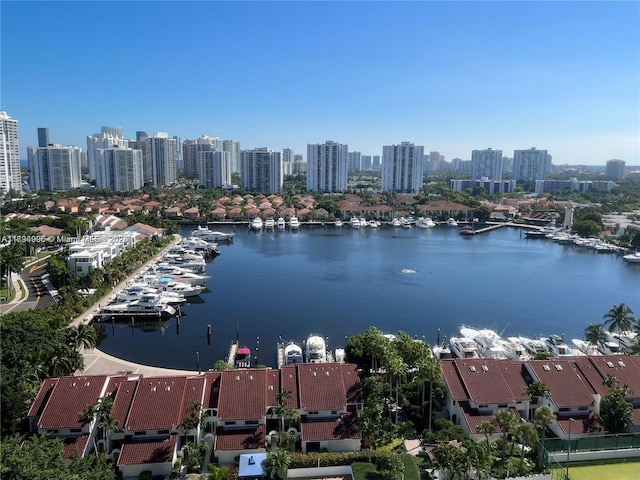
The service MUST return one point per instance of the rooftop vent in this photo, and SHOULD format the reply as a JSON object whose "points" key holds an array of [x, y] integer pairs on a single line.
{"points": [[326, 373], [314, 374], [610, 364], [485, 368], [153, 389], [621, 363], [238, 377], [270, 387], [472, 368], [167, 388], [558, 367], [545, 367]]}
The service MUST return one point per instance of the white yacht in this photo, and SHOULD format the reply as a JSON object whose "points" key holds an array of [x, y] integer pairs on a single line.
{"points": [[515, 350], [632, 257], [203, 233], [280, 223], [463, 347], [372, 224], [292, 353], [294, 223], [182, 288], [136, 291], [555, 344], [541, 232], [585, 347], [441, 351], [451, 222], [395, 223], [363, 222], [425, 222], [176, 273], [338, 223], [256, 224], [339, 355], [145, 305], [354, 222], [269, 224], [532, 345], [490, 345], [315, 349]]}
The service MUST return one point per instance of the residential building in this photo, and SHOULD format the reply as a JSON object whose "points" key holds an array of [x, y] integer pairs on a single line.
{"points": [[376, 163], [141, 135], [109, 137], [145, 149], [434, 162], [262, 170], [191, 149], [491, 186], [402, 167], [287, 161], [355, 160], [214, 169], [366, 162], [299, 165], [43, 137], [10, 178], [162, 151], [530, 165], [486, 163], [327, 167], [233, 147], [327, 398], [54, 167], [124, 168], [572, 184], [615, 169]]}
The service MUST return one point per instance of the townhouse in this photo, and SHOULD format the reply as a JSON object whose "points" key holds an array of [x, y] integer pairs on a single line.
{"points": [[233, 411]]}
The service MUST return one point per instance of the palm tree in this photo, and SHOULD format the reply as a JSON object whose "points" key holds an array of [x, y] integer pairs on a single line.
{"points": [[277, 464], [487, 429], [536, 390], [619, 319], [543, 417], [595, 334], [82, 336], [108, 425], [12, 259], [526, 435], [505, 421], [397, 369], [429, 370]]}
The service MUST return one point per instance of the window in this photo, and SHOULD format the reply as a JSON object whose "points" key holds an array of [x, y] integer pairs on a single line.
{"points": [[229, 423], [251, 422]]}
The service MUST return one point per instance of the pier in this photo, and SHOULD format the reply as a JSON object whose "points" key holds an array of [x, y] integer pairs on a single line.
{"points": [[231, 358], [488, 228], [280, 353]]}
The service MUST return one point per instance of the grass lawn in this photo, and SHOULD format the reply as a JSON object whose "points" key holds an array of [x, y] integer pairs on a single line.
{"points": [[612, 471], [367, 471]]}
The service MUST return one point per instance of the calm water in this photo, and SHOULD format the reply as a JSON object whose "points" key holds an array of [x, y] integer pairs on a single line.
{"points": [[338, 282]]}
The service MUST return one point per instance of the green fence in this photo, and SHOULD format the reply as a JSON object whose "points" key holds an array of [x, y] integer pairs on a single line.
{"points": [[594, 443]]}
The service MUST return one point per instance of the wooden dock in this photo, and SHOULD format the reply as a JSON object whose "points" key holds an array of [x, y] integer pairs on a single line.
{"points": [[231, 358], [280, 353], [488, 228]]}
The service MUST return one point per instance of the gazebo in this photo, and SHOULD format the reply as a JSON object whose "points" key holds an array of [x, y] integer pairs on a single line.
{"points": [[251, 466]]}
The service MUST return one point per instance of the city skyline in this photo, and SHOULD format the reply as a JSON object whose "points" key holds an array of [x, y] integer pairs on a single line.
{"points": [[452, 76]]}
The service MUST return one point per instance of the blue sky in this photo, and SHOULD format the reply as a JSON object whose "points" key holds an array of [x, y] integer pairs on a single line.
{"points": [[452, 76]]}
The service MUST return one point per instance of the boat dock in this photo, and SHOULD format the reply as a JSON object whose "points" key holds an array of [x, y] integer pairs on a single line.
{"points": [[231, 358], [475, 231]]}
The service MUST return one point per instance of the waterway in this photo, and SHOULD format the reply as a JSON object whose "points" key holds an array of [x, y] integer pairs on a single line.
{"points": [[337, 282]]}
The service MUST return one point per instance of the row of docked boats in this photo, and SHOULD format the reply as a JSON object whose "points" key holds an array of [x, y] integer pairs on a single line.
{"points": [[395, 222], [558, 235], [271, 224], [486, 343], [170, 282], [313, 350]]}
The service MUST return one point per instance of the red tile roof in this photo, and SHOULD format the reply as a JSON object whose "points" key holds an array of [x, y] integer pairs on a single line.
{"points": [[212, 389], [321, 386], [74, 447], [244, 395], [343, 428], [42, 397], [352, 383], [124, 392], [193, 392], [567, 386], [474, 417], [625, 368], [159, 451], [157, 403], [246, 439], [69, 398], [484, 381], [288, 381]]}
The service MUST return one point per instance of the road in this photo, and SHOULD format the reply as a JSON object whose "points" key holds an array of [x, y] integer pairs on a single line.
{"points": [[37, 296]]}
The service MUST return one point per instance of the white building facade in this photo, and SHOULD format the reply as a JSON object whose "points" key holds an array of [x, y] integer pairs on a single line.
{"points": [[530, 165], [214, 169], [327, 167], [402, 167], [486, 163], [162, 150], [262, 170], [54, 167], [109, 137], [615, 169], [10, 178]]}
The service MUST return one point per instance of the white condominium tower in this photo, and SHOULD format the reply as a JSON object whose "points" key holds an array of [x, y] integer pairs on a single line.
{"points": [[109, 137], [124, 169], [530, 165], [191, 149], [402, 167], [262, 170], [233, 147], [486, 163], [9, 155], [162, 152], [327, 165], [54, 167], [214, 168]]}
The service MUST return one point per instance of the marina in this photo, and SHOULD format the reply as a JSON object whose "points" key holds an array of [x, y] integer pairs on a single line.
{"points": [[337, 282]]}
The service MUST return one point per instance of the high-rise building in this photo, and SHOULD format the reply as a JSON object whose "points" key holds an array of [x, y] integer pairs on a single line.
{"points": [[615, 169], [327, 167], [109, 137], [54, 167], [233, 148], [376, 162], [355, 160], [530, 165], [143, 146], [214, 168], [43, 137], [123, 170], [141, 135], [190, 150], [366, 162], [486, 163], [435, 159], [262, 170], [402, 167], [10, 178], [162, 151], [299, 165]]}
